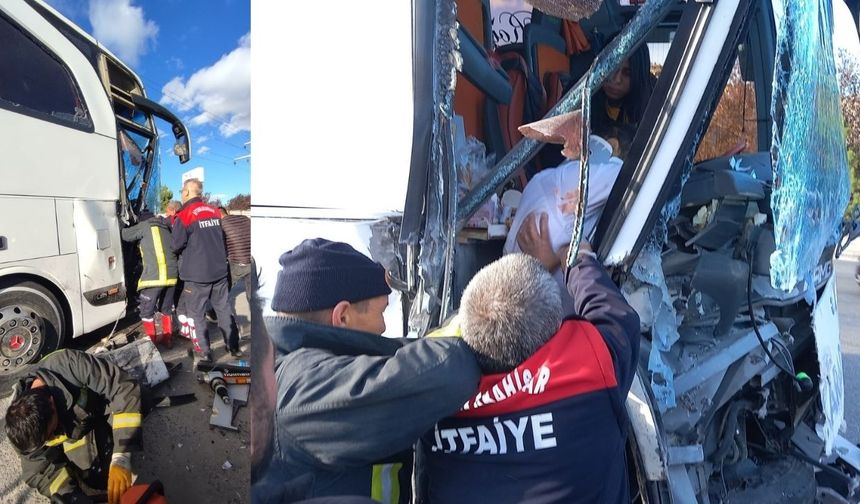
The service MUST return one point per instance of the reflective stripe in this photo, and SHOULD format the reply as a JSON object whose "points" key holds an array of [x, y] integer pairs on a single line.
{"points": [[450, 328], [162, 280], [142, 284], [159, 252], [124, 420], [67, 447], [59, 481], [385, 485], [56, 440]]}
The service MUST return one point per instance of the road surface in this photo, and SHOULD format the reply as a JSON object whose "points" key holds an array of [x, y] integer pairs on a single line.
{"points": [[195, 463]]}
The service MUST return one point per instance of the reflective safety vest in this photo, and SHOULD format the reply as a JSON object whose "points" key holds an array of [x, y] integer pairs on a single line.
{"points": [[159, 262], [94, 398]]}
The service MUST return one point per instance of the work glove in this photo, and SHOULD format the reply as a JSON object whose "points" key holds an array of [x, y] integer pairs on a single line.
{"points": [[119, 480]]}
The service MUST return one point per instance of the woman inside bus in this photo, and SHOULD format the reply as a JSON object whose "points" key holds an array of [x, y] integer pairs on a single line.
{"points": [[621, 100], [618, 106]]}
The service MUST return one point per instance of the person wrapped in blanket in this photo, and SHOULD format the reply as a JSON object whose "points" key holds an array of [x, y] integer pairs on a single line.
{"points": [[74, 421]]}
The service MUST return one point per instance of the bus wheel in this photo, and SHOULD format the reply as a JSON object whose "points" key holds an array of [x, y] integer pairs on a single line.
{"points": [[31, 325]]}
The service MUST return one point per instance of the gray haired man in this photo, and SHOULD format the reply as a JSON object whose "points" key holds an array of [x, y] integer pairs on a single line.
{"points": [[547, 424]]}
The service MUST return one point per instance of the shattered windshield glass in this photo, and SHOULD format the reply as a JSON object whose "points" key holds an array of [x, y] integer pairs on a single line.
{"points": [[135, 152], [811, 187]]}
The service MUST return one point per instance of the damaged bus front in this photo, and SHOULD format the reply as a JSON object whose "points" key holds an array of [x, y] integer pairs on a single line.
{"points": [[720, 228]]}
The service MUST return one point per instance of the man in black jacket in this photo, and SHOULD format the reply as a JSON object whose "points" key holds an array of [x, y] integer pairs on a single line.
{"points": [[74, 421], [158, 279], [548, 422], [198, 238], [349, 403]]}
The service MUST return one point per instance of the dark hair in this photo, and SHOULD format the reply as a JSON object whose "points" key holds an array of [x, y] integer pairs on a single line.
{"points": [[28, 419], [223, 209], [633, 105]]}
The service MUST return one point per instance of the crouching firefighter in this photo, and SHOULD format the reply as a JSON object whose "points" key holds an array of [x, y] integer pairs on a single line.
{"points": [[74, 420], [158, 279]]}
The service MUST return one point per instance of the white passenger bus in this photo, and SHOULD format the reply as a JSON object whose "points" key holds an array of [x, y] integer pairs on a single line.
{"points": [[80, 160]]}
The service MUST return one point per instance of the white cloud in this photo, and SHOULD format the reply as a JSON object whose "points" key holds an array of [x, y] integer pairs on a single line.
{"points": [[218, 94], [201, 139], [175, 62], [122, 28], [203, 150]]}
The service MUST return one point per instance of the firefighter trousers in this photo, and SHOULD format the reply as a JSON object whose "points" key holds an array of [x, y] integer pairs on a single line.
{"points": [[194, 298]]}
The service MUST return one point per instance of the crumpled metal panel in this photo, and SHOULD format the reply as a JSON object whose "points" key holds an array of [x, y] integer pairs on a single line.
{"points": [[811, 187], [648, 271], [567, 9], [435, 261], [831, 384]]}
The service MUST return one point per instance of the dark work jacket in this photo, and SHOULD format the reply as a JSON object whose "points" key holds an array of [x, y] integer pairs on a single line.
{"points": [[553, 429], [199, 241], [350, 405], [237, 235], [86, 390], [159, 261]]}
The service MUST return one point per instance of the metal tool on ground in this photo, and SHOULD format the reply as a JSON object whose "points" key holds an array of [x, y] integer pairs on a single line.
{"points": [[230, 382]]}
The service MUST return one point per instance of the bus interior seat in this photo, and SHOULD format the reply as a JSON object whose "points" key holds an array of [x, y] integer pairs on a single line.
{"points": [[475, 17], [482, 81], [527, 101]]}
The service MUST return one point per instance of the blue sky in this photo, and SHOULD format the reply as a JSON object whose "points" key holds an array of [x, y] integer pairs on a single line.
{"points": [[194, 57]]}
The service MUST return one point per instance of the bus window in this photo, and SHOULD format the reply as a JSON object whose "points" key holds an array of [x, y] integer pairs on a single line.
{"points": [[135, 161], [733, 126], [36, 83]]}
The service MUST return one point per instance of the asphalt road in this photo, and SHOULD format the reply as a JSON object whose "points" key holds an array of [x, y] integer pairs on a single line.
{"points": [[195, 463]]}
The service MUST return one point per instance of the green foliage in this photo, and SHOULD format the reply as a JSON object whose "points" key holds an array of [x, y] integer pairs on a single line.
{"points": [[854, 174], [164, 196]]}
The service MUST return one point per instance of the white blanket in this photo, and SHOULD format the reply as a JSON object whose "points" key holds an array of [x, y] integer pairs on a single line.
{"points": [[555, 191]]}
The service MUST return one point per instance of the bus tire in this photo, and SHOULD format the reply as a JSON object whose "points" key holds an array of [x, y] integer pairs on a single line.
{"points": [[31, 324]]}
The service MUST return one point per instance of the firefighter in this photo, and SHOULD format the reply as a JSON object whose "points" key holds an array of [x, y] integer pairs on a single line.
{"points": [[158, 280], [548, 423], [349, 403], [198, 238], [74, 421]]}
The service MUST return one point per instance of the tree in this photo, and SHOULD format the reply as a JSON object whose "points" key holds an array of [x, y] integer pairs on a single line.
{"points": [[848, 68], [208, 199], [164, 195], [733, 124], [239, 202]]}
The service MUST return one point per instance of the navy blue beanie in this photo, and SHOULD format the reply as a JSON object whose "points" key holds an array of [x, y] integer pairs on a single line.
{"points": [[319, 273]]}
